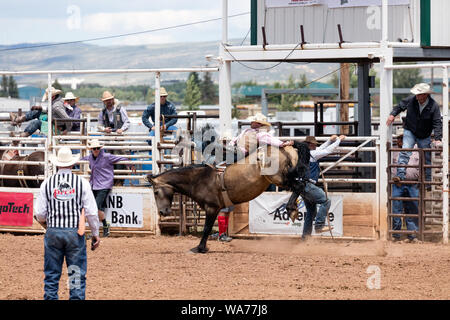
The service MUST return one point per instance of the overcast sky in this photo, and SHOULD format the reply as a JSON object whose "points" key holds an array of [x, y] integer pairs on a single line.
{"points": [[63, 20]]}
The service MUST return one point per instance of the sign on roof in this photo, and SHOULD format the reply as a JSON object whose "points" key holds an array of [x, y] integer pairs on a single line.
{"points": [[361, 3], [288, 3], [332, 3]]}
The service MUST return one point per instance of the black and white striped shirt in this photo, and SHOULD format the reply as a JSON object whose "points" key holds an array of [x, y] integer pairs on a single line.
{"points": [[61, 198]]}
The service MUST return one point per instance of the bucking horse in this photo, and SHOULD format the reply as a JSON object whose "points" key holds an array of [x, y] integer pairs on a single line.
{"points": [[242, 181]]}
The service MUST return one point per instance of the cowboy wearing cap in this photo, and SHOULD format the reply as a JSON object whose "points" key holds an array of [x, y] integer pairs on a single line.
{"points": [[400, 190], [113, 117], [63, 203], [313, 195], [422, 117], [258, 133], [101, 164], [167, 108], [73, 111], [39, 114]]}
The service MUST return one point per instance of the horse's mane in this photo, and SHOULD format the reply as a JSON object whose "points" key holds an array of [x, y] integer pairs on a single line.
{"points": [[180, 170], [301, 170]]}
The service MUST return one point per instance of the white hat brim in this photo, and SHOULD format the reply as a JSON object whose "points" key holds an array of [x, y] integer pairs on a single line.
{"points": [[54, 159], [417, 91]]}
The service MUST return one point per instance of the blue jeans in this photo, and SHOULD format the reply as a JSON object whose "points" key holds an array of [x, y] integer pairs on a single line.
{"points": [[313, 196], [32, 114], [409, 140], [152, 134], [60, 243], [33, 126], [410, 207]]}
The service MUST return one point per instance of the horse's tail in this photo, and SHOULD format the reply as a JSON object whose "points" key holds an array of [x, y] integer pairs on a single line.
{"points": [[301, 170]]}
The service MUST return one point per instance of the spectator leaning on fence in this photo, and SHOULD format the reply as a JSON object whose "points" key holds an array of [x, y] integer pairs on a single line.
{"points": [[63, 203], [422, 117], [113, 117], [407, 191], [167, 108], [73, 111], [101, 164]]}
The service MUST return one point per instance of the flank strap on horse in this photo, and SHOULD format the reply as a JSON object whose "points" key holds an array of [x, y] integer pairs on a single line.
{"points": [[226, 199], [20, 172]]}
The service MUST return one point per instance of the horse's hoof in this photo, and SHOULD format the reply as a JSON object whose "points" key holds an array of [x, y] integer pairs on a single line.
{"points": [[294, 215], [199, 250]]}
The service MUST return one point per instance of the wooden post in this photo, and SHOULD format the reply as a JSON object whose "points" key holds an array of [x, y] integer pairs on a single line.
{"points": [[345, 95]]}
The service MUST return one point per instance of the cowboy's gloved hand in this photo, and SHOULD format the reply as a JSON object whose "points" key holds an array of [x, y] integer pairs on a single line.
{"points": [[437, 143]]}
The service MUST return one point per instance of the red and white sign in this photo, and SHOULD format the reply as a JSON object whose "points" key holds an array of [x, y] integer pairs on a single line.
{"points": [[16, 209], [290, 3]]}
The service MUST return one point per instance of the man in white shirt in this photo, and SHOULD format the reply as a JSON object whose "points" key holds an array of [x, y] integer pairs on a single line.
{"points": [[64, 201]]}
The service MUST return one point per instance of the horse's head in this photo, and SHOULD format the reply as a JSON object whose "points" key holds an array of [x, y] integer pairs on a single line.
{"points": [[163, 195]]}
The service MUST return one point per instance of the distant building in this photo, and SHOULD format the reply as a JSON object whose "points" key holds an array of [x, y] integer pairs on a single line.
{"points": [[28, 92]]}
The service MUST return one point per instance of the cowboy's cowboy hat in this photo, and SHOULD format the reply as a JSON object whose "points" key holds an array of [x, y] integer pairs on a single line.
{"points": [[94, 143], [65, 158], [421, 88], [311, 139], [107, 96], [70, 96], [53, 91], [261, 119], [163, 92]]}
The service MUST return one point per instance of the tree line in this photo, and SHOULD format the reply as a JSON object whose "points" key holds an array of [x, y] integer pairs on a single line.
{"points": [[9, 87], [192, 93]]}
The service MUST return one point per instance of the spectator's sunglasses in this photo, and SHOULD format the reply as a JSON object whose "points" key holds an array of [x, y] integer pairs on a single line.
{"points": [[95, 148]]}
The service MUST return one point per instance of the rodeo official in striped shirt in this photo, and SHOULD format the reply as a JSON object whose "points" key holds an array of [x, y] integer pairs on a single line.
{"points": [[65, 200]]}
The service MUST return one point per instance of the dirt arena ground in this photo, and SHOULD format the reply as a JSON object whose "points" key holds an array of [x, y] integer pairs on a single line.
{"points": [[282, 269]]}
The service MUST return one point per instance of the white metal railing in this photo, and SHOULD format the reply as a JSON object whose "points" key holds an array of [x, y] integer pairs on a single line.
{"points": [[27, 140], [340, 163]]}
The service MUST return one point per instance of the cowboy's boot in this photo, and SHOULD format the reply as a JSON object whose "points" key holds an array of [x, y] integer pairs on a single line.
{"points": [[22, 135], [20, 119], [16, 119], [12, 117]]}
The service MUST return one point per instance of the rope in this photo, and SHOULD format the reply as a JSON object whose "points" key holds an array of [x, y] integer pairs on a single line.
{"points": [[325, 188]]}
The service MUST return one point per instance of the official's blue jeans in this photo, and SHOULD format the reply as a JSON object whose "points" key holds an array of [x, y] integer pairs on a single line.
{"points": [[411, 207], [313, 196], [60, 243], [409, 140]]}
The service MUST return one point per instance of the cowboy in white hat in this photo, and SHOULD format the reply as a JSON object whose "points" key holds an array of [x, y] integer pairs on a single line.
{"points": [[423, 116], [72, 109], [167, 108], [101, 164], [258, 133], [65, 224], [113, 117]]}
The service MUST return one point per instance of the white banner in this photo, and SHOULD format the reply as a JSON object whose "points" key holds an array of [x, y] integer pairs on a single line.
{"points": [[267, 214], [361, 3], [290, 3], [124, 210], [332, 3]]}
